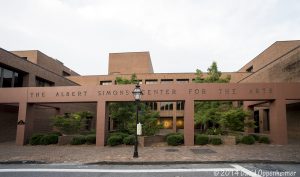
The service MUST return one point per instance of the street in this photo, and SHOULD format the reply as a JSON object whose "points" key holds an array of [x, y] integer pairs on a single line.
{"points": [[177, 170]]}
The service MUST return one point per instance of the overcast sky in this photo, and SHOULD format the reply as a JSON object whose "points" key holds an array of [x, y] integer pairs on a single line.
{"points": [[181, 35]]}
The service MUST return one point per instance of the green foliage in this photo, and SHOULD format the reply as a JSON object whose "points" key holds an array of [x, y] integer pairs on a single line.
{"points": [[121, 134], [233, 119], [124, 113], [43, 139], [256, 137], [49, 139], [215, 140], [170, 134], [79, 139], [264, 139], [129, 140], [201, 139], [114, 140], [214, 131], [91, 139], [248, 140], [36, 139], [213, 75], [71, 123], [175, 140]]}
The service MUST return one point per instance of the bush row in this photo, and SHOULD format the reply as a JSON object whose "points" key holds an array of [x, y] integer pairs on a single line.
{"points": [[201, 139], [118, 138], [44, 139], [81, 139], [251, 139]]}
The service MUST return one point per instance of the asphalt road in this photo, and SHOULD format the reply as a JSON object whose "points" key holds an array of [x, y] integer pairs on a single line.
{"points": [[178, 170]]}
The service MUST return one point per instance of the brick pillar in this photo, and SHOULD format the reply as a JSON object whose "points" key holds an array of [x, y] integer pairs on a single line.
{"points": [[174, 117], [278, 122], [21, 128], [100, 129], [189, 123]]}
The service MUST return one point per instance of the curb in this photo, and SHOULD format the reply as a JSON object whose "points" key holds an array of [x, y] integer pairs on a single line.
{"points": [[189, 162], [151, 162], [22, 162]]}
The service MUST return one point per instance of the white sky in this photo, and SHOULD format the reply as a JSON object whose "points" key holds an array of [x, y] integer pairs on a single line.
{"points": [[181, 35]]}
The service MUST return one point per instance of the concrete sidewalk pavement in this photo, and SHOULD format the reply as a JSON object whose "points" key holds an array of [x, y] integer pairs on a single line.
{"points": [[86, 154]]}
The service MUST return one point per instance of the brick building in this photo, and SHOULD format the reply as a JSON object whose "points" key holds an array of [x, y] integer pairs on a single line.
{"points": [[278, 63]]}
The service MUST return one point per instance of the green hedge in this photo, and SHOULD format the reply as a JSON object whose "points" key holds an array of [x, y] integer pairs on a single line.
{"points": [[170, 134], [201, 139], [175, 140], [264, 139], [77, 140], [123, 135], [90, 139], [216, 141], [129, 140], [256, 137], [43, 139], [115, 140], [248, 140], [49, 139], [36, 139]]}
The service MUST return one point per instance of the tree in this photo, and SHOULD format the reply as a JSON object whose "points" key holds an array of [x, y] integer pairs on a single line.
{"points": [[213, 114], [124, 113]]}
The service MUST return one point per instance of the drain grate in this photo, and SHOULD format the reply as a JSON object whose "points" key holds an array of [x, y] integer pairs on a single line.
{"points": [[171, 150], [202, 151]]}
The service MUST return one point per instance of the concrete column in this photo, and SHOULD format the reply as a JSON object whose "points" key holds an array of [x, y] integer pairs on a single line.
{"points": [[100, 128], [21, 136], [278, 122], [174, 117], [189, 123]]}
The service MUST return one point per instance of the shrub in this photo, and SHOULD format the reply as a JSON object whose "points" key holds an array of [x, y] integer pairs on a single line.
{"points": [[123, 135], [175, 140], [248, 140], [70, 123], [90, 139], [77, 140], [49, 139], [35, 139], [171, 134], [256, 137], [129, 140], [114, 140], [201, 139], [264, 139], [215, 141]]}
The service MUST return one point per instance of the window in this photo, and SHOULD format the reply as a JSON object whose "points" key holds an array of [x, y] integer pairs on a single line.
{"points": [[165, 106], [250, 69], [179, 105], [40, 82], [166, 81], [10, 78], [182, 81], [151, 82], [152, 105], [105, 82]]}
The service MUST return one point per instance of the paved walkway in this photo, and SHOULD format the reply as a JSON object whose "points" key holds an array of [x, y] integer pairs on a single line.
{"points": [[168, 154]]}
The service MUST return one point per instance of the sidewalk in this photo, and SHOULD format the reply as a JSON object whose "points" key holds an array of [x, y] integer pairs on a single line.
{"points": [[84, 154]]}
